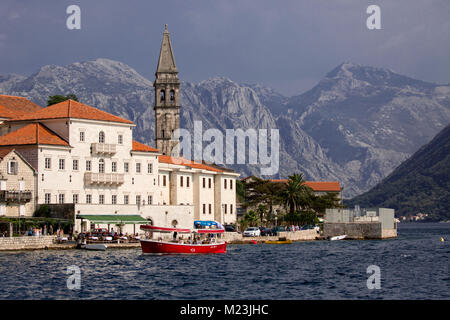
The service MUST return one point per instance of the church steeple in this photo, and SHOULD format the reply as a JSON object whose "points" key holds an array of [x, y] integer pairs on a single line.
{"points": [[167, 107], [166, 61]]}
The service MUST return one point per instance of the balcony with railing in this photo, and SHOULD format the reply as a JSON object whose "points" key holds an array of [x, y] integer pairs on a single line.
{"points": [[104, 178], [103, 148], [15, 196]]}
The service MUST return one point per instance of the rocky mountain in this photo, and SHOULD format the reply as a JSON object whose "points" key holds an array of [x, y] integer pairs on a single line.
{"points": [[421, 184], [356, 125]]}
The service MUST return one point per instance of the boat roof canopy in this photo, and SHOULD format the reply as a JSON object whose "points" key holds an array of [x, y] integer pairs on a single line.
{"points": [[209, 231], [163, 229]]}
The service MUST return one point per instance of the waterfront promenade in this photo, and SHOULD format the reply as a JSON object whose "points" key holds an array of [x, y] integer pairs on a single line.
{"points": [[51, 242]]}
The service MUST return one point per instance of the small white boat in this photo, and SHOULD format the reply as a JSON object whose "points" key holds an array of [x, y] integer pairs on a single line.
{"points": [[341, 237], [95, 246]]}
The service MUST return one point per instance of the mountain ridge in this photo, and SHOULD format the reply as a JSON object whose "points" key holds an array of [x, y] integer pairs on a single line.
{"points": [[356, 125]]}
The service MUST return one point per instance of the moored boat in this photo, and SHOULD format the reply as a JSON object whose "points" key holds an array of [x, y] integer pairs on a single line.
{"points": [[341, 237], [190, 246], [281, 240], [94, 246], [278, 241]]}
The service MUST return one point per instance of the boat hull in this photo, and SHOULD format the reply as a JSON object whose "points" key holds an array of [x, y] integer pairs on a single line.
{"points": [[161, 247], [278, 242]]}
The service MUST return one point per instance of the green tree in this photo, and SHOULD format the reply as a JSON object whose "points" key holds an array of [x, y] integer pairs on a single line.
{"points": [[321, 203], [262, 192], [296, 195], [59, 98]]}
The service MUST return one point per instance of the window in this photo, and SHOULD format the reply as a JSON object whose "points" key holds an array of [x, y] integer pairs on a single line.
{"points": [[114, 199], [88, 198], [42, 177], [231, 209], [75, 165], [81, 136], [231, 183], [150, 168], [75, 198], [138, 199], [48, 198], [13, 167], [225, 209], [101, 137], [181, 181], [138, 167], [132, 180], [162, 95], [113, 166], [172, 95], [88, 165], [62, 164], [164, 181], [101, 166], [224, 183], [61, 198], [204, 182], [209, 208], [204, 208], [125, 167], [149, 199], [48, 163], [120, 139], [187, 182], [126, 199], [101, 199], [209, 183]]}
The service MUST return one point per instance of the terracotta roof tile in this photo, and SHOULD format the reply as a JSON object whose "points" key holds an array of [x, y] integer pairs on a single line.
{"points": [[5, 151], [12, 106], [187, 163], [72, 109], [137, 146], [34, 133], [331, 186]]}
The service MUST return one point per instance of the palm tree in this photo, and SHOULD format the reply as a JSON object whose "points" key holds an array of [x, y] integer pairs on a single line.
{"points": [[296, 194]]}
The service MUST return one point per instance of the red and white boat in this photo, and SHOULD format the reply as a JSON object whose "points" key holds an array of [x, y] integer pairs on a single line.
{"points": [[212, 245]]}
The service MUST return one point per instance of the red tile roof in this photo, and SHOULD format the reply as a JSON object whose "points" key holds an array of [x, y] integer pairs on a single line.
{"points": [[187, 163], [34, 133], [331, 186], [72, 109], [137, 146], [4, 152], [12, 106]]}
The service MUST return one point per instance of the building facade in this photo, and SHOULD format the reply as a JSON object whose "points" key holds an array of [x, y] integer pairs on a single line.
{"points": [[86, 158], [17, 185]]}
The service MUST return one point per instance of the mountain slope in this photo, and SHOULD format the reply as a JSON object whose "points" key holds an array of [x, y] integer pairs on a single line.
{"points": [[356, 125], [420, 184]]}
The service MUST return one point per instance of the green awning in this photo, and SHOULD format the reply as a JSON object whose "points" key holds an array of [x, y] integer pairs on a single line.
{"points": [[113, 219]]}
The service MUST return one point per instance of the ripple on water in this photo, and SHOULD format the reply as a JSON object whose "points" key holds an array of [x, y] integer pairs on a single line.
{"points": [[414, 266]]}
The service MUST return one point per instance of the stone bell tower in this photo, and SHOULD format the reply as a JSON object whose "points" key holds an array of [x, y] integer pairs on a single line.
{"points": [[167, 103]]}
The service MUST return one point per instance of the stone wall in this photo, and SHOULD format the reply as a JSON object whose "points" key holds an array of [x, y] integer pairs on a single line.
{"points": [[356, 230], [26, 243], [301, 235], [388, 233]]}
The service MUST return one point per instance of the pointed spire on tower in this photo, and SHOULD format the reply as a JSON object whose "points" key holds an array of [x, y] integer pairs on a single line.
{"points": [[166, 62]]}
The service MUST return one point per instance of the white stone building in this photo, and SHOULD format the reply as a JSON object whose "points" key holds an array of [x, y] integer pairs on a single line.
{"points": [[87, 157]]}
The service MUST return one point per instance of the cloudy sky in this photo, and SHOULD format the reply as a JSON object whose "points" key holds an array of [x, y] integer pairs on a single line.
{"points": [[285, 44]]}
